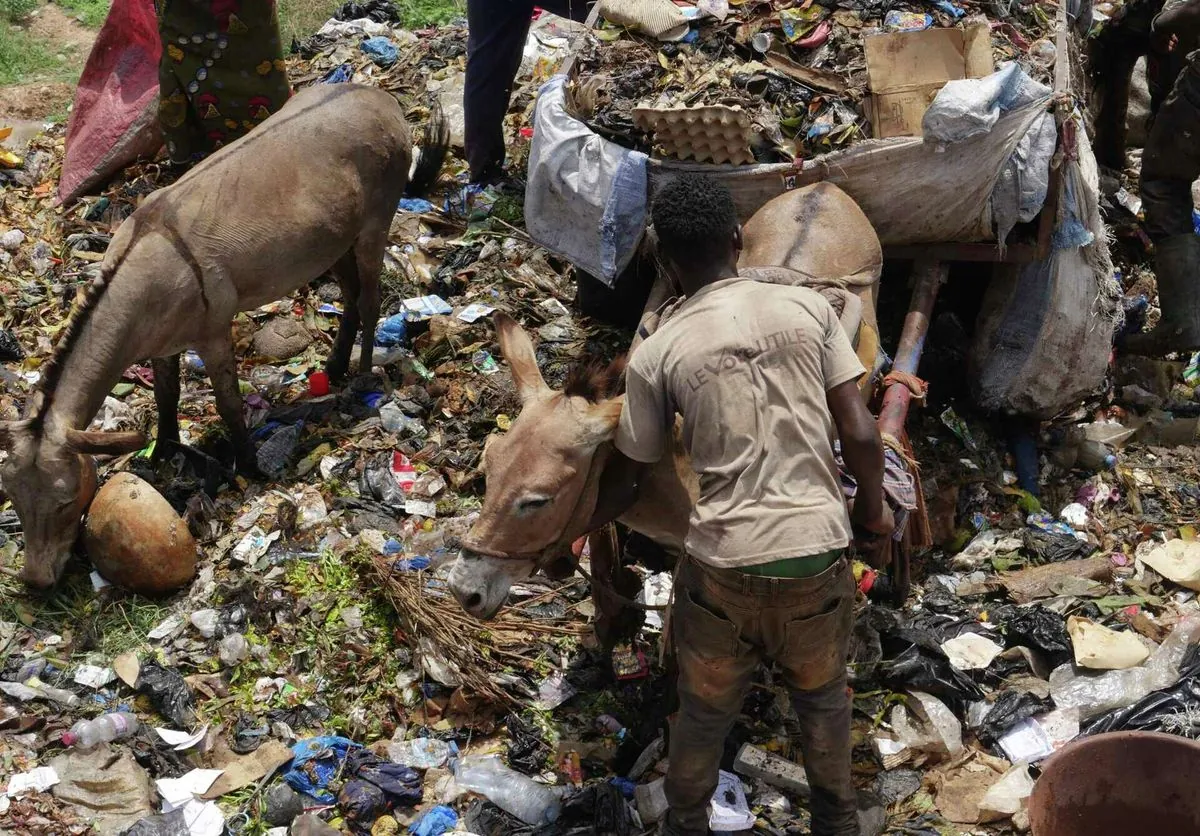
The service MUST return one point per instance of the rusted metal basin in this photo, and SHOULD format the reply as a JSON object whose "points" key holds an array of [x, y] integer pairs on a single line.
{"points": [[1120, 784]]}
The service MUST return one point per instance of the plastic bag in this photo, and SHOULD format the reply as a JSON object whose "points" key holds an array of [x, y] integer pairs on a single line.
{"points": [[920, 669], [168, 693], [527, 751], [586, 198], [932, 728], [1010, 708], [168, 824], [437, 821], [317, 760], [1174, 710], [1007, 796], [1096, 694], [1041, 629], [1046, 547], [971, 106], [380, 11], [599, 808]]}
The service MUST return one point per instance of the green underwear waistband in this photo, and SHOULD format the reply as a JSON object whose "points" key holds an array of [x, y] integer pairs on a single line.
{"points": [[794, 567]]}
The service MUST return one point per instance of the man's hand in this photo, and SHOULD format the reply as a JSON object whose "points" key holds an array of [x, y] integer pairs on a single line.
{"points": [[873, 524]]}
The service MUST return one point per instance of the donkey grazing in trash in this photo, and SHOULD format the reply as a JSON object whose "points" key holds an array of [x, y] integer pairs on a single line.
{"points": [[313, 188], [543, 475]]}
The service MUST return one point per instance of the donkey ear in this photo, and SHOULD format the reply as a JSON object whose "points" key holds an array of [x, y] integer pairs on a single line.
{"points": [[517, 349], [601, 419], [104, 443]]}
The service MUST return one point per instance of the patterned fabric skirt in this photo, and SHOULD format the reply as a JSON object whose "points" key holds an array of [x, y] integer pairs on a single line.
{"points": [[221, 72]]}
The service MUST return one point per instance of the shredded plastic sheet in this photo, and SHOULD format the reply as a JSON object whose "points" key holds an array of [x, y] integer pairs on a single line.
{"points": [[586, 198]]}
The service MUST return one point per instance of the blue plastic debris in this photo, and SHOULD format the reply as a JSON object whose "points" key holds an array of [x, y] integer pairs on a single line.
{"points": [[314, 764], [411, 564], [441, 819], [332, 310], [382, 51], [372, 400], [1196, 220], [393, 546], [414, 204], [338, 74], [949, 8], [625, 785], [392, 332]]}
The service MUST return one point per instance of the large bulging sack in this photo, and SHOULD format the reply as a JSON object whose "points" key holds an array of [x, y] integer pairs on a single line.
{"points": [[1045, 332], [114, 118]]}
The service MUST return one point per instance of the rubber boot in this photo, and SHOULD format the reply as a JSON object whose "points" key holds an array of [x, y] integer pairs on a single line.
{"points": [[1177, 268]]}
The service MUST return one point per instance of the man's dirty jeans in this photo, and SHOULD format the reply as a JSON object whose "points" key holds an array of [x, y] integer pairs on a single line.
{"points": [[724, 623]]}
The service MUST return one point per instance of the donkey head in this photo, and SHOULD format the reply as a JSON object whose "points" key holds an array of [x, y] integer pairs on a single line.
{"points": [[50, 477], [542, 475]]}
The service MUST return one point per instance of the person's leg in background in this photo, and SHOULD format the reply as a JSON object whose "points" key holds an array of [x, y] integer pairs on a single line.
{"points": [[496, 32], [1170, 164], [715, 669]]}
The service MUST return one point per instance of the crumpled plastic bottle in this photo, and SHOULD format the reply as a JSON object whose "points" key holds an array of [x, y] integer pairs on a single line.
{"points": [[511, 791]]}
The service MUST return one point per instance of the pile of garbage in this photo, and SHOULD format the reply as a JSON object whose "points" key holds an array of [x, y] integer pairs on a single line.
{"points": [[768, 82], [316, 676]]}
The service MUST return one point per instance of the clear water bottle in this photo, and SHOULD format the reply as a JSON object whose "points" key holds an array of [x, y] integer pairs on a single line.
{"points": [[511, 791], [89, 733]]}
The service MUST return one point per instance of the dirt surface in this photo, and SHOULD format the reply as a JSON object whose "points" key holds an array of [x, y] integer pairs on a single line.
{"points": [[72, 42], [56, 26], [34, 101]]}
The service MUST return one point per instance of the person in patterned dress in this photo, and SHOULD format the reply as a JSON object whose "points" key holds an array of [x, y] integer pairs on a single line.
{"points": [[221, 72]]}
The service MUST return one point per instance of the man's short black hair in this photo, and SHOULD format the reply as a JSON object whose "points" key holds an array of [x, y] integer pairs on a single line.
{"points": [[694, 218]]}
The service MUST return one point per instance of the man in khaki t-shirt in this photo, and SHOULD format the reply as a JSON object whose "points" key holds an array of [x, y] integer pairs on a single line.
{"points": [[762, 375]]}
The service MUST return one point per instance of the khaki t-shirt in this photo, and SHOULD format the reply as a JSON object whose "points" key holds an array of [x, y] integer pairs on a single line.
{"points": [[747, 365]]}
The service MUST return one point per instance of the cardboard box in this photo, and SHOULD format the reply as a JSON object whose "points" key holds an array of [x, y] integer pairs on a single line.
{"points": [[905, 71]]}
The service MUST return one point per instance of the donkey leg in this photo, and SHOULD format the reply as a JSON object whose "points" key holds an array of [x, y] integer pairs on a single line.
{"points": [[368, 253], [346, 271], [222, 371], [166, 398]]}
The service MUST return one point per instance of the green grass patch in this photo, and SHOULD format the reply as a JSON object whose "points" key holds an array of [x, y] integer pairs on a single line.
{"points": [[24, 58], [417, 14], [16, 10], [300, 18], [90, 12]]}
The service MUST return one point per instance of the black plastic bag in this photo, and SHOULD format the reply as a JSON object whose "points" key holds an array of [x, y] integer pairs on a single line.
{"points": [[168, 824], [10, 349], [248, 734], [1174, 710], [380, 11], [168, 693], [1043, 547], [1043, 630], [1010, 708], [599, 809], [527, 751], [308, 716], [486, 819]]}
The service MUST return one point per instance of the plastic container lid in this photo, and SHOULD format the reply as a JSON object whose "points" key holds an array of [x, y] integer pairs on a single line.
{"points": [[69, 739]]}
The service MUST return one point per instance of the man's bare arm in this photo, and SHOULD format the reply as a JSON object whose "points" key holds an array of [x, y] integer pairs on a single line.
{"points": [[862, 450]]}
